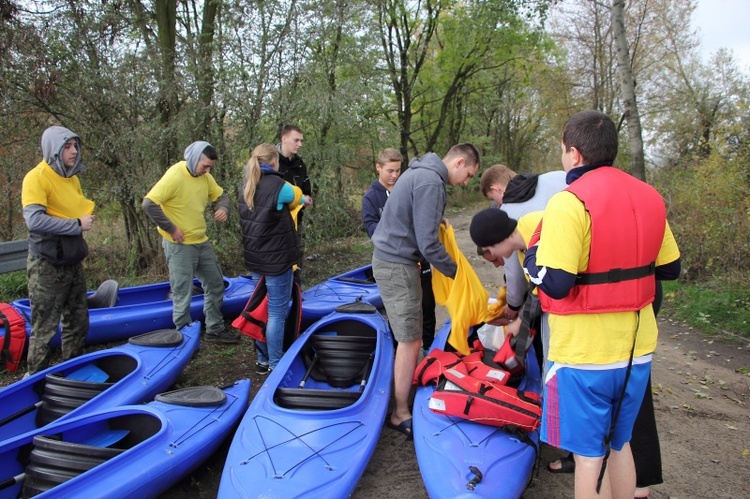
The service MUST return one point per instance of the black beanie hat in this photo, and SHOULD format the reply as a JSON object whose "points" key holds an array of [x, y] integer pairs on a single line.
{"points": [[490, 226]]}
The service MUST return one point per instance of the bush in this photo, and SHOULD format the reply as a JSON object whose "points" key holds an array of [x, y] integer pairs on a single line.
{"points": [[708, 204]]}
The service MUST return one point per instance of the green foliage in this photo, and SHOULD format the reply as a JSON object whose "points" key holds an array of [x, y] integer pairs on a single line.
{"points": [[13, 286], [709, 203], [711, 306]]}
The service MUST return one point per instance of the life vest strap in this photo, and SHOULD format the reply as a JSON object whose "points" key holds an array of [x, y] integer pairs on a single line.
{"points": [[616, 275]]}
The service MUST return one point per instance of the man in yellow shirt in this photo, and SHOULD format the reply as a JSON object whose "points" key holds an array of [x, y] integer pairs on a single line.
{"points": [[176, 204], [57, 214], [604, 240]]}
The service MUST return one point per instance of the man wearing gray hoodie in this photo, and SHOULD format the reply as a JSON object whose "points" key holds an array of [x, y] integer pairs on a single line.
{"points": [[176, 204], [57, 214], [406, 234]]}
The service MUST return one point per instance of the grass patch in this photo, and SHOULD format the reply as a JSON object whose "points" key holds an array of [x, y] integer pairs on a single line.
{"points": [[13, 286], [710, 306]]}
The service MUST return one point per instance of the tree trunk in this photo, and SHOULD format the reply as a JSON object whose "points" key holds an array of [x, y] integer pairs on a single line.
{"points": [[166, 21], [627, 90], [206, 70]]}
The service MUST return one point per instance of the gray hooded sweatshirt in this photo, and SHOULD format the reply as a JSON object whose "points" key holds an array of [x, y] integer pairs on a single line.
{"points": [[37, 220], [52, 238], [408, 228]]}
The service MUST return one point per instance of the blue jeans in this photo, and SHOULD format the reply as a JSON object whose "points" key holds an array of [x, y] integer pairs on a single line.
{"points": [[279, 293]]}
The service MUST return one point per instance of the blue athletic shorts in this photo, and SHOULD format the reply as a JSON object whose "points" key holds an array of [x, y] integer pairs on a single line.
{"points": [[580, 401]]}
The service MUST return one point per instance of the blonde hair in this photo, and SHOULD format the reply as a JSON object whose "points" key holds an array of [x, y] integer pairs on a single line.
{"points": [[265, 154], [495, 174], [388, 155]]}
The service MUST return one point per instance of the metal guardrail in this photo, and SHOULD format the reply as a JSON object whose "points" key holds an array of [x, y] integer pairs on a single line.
{"points": [[13, 255]]}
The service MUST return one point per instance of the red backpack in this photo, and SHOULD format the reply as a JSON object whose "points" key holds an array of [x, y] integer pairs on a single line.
{"points": [[15, 337]]}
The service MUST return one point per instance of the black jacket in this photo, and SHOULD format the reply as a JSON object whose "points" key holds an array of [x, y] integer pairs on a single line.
{"points": [[294, 171]]}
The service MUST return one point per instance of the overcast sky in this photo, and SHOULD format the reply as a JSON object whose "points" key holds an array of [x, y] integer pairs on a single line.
{"points": [[725, 23]]}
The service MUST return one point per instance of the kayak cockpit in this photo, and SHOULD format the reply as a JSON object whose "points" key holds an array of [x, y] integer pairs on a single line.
{"points": [[336, 362]]}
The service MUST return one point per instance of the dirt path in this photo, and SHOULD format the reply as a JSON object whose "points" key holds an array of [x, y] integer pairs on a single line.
{"points": [[702, 411]]}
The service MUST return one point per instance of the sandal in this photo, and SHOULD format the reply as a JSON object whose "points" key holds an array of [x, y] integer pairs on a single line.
{"points": [[567, 465]]}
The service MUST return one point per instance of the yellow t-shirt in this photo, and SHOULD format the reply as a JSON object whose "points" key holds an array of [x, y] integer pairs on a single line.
{"points": [[62, 196], [604, 338], [183, 199]]}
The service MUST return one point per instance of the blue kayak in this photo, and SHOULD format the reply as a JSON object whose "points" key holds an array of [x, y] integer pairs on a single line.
{"points": [[140, 309], [127, 451], [314, 423], [322, 299], [126, 374], [462, 459]]}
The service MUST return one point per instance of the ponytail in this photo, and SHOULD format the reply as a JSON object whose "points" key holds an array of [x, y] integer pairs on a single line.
{"points": [[265, 154]]}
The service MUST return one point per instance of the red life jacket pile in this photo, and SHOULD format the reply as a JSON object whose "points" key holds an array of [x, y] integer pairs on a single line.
{"points": [[474, 387]]}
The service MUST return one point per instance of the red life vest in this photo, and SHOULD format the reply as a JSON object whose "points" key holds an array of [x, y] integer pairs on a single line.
{"points": [[253, 319], [434, 365], [487, 403], [627, 230], [469, 388], [15, 336]]}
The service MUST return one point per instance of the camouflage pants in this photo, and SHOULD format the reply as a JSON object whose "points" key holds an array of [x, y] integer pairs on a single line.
{"points": [[56, 292]]}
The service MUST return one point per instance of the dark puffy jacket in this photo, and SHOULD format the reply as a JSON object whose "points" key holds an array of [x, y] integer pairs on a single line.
{"points": [[268, 235]]}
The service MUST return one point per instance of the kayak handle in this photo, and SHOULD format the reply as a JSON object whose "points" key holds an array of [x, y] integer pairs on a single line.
{"points": [[477, 477]]}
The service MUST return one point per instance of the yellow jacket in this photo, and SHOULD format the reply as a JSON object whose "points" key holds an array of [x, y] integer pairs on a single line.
{"points": [[464, 296]]}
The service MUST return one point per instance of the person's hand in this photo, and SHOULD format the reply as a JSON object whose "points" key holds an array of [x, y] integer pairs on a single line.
{"points": [[220, 216], [446, 222], [178, 236], [509, 312], [86, 221], [513, 328], [307, 201]]}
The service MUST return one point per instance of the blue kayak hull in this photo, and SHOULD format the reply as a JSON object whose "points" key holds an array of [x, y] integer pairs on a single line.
{"points": [[311, 449], [322, 299], [140, 309], [448, 446], [163, 443], [135, 373]]}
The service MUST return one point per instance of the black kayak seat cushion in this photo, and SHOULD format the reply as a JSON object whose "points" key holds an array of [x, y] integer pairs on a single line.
{"points": [[194, 396], [158, 338]]}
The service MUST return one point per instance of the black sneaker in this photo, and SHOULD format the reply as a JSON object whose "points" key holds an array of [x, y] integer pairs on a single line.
{"points": [[262, 368], [223, 337]]}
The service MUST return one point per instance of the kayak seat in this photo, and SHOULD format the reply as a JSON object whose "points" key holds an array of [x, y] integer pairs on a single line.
{"points": [[105, 296], [62, 395], [342, 360], [52, 462], [314, 399]]}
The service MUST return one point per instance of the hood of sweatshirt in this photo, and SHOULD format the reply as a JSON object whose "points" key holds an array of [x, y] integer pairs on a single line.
{"points": [[431, 161], [53, 140], [193, 154]]}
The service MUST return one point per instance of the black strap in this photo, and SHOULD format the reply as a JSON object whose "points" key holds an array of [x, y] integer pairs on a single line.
{"points": [[529, 314], [616, 414], [616, 275]]}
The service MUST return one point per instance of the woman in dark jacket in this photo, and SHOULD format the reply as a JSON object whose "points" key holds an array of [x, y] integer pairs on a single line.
{"points": [[269, 238]]}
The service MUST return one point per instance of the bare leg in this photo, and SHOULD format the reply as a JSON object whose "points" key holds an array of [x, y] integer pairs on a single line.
{"points": [[403, 372], [619, 479]]}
